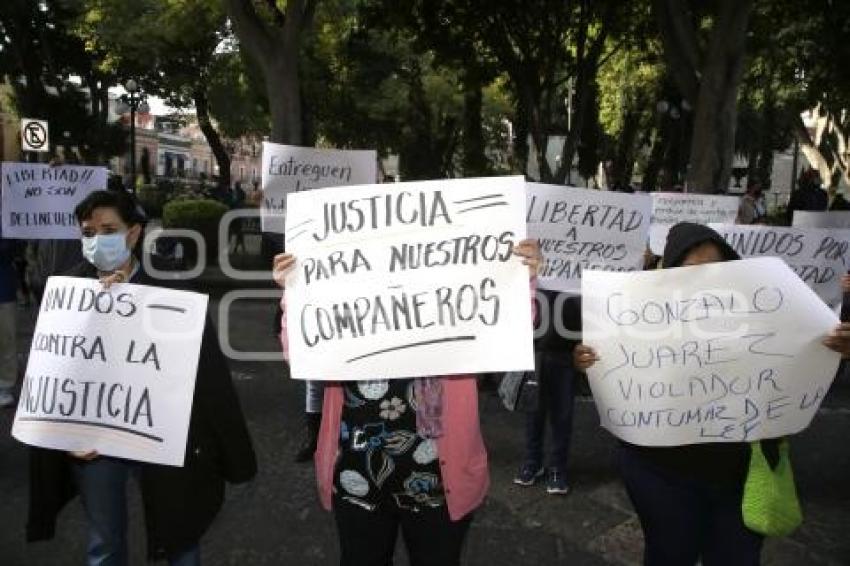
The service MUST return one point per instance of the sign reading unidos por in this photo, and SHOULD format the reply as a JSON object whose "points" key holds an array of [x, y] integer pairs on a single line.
{"points": [[408, 280], [669, 209], [821, 219], [292, 169], [38, 200], [820, 257], [112, 370], [722, 352], [585, 229]]}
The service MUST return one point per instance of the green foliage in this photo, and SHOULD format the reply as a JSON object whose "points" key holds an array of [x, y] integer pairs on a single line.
{"points": [[53, 77], [237, 95], [153, 199], [203, 216], [193, 214]]}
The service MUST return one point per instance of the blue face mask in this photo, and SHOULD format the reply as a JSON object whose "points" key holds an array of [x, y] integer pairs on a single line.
{"points": [[107, 252]]}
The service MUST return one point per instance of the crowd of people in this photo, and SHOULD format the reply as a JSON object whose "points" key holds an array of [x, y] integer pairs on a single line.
{"points": [[391, 456]]}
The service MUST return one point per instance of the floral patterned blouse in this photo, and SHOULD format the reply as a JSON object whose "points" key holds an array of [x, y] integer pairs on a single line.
{"points": [[382, 459]]}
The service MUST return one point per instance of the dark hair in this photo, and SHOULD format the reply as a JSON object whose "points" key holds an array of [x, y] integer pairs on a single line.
{"points": [[123, 203]]}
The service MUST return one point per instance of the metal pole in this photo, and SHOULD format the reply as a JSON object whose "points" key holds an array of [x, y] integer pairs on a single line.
{"points": [[133, 144], [794, 163]]}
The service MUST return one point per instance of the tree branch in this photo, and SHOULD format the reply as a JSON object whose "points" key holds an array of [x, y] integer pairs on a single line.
{"points": [[278, 16], [252, 31]]}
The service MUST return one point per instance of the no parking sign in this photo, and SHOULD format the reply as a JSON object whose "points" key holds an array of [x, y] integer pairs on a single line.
{"points": [[34, 135]]}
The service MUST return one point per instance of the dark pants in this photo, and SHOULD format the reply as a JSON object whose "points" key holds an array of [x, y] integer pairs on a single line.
{"points": [[368, 538], [102, 483], [685, 520], [556, 377]]}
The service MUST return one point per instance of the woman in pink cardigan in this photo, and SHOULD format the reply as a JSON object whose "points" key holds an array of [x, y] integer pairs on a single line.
{"points": [[402, 454]]}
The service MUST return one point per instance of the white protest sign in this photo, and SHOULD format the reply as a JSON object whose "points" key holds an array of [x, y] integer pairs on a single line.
{"points": [[722, 352], [669, 209], [585, 229], [825, 219], [112, 370], [38, 200], [819, 257], [408, 280], [292, 169]]}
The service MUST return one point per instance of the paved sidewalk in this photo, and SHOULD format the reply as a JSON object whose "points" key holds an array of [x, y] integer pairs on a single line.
{"points": [[276, 520]]}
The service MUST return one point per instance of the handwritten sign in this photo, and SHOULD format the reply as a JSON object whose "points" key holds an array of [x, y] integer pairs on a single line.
{"points": [[819, 257], [826, 219], [585, 229], [292, 169], [112, 370], [38, 200], [669, 209], [408, 280], [723, 352]]}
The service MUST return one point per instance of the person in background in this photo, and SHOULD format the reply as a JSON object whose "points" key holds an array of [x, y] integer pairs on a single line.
{"points": [[8, 327], [808, 196], [556, 380], [688, 498], [402, 454], [752, 209], [180, 502]]}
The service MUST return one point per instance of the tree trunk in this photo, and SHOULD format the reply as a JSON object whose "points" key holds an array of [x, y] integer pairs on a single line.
{"points": [[715, 117], [283, 87], [474, 162], [276, 47], [202, 111]]}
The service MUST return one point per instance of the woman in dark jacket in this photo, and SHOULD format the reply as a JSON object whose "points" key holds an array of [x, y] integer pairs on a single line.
{"points": [[180, 502], [688, 498]]}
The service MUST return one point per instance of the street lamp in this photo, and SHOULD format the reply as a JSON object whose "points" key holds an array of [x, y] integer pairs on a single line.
{"points": [[135, 101]]}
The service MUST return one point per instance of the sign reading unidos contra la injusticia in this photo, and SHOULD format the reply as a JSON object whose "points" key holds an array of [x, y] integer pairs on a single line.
{"points": [[112, 370], [407, 280], [293, 169], [724, 352], [38, 200]]}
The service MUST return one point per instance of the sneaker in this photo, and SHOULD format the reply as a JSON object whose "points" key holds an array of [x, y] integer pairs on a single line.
{"points": [[6, 399], [528, 475], [556, 483]]}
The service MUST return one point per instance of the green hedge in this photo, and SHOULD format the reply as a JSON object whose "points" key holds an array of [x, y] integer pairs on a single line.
{"points": [[202, 216], [153, 199]]}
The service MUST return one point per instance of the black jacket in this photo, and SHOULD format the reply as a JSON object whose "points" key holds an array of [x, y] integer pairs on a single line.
{"points": [[180, 503]]}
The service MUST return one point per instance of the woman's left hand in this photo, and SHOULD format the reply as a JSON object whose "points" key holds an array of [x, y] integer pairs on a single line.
{"points": [[529, 251], [839, 339], [108, 280]]}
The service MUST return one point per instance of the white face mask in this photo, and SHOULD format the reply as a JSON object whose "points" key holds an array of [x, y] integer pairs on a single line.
{"points": [[107, 252]]}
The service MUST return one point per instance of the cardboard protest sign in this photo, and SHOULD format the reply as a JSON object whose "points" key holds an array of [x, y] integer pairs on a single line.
{"points": [[112, 370], [585, 229], [825, 219], [292, 169], [38, 200], [669, 209], [721, 352], [819, 257], [408, 280]]}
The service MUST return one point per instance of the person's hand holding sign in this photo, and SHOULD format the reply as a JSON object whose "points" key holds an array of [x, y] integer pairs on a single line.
{"points": [[85, 455], [529, 250], [839, 340], [584, 357], [282, 265]]}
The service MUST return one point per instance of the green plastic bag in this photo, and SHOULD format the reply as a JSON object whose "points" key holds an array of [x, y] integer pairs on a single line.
{"points": [[770, 505]]}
